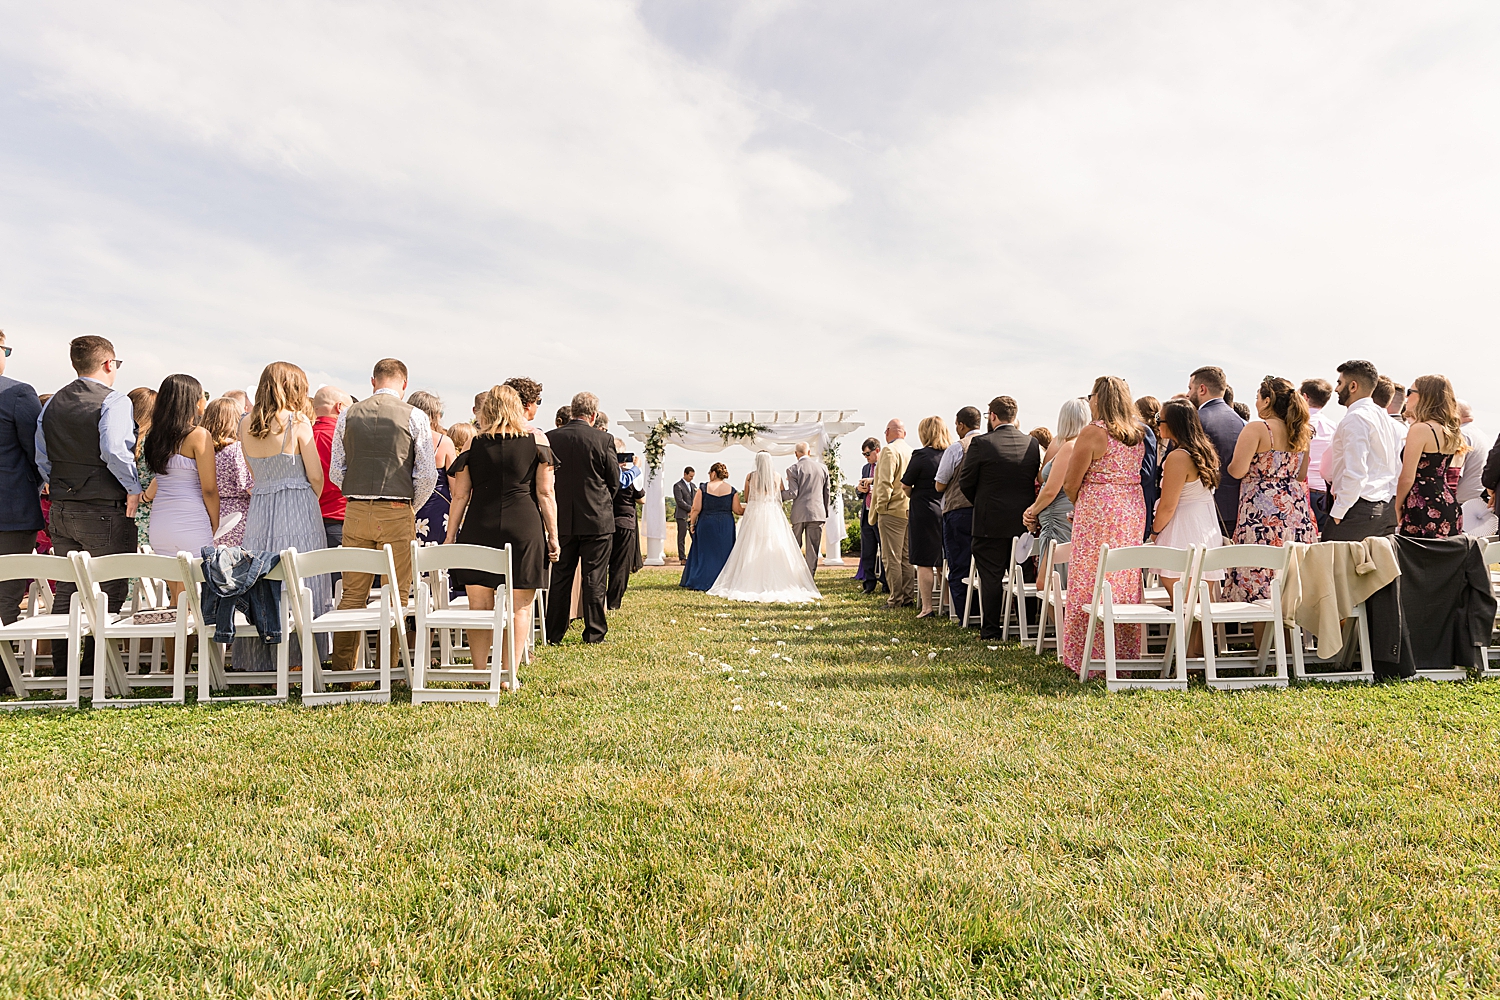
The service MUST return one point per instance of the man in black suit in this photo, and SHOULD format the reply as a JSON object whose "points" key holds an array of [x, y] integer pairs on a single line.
{"points": [[20, 482], [587, 477], [1206, 388], [625, 546], [999, 477]]}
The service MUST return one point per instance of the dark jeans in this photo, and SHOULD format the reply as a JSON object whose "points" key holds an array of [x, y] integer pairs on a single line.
{"points": [[1364, 520], [99, 529], [589, 555], [957, 546], [12, 592], [622, 549], [869, 549], [333, 534], [1318, 499]]}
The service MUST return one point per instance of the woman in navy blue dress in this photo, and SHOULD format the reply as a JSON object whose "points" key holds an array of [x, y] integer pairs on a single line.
{"points": [[712, 521]]}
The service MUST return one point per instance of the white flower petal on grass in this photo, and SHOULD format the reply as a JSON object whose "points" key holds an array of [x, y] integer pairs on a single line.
{"points": [[780, 642], [726, 668], [932, 656], [895, 640], [762, 673], [737, 708], [992, 647], [754, 651]]}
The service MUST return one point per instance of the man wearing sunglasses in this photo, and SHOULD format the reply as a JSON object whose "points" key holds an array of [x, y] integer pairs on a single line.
{"points": [[20, 483]]}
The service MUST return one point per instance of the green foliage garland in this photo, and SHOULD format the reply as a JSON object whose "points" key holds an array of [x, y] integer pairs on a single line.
{"points": [[740, 431], [656, 441], [831, 460]]}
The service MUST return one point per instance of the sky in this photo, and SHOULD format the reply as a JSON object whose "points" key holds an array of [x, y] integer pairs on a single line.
{"points": [[900, 208]]}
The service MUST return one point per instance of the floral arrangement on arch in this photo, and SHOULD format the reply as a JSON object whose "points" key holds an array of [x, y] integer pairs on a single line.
{"points": [[656, 442], [740, 431]]}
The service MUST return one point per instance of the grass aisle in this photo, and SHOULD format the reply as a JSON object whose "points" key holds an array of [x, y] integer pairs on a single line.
{"points": [[822, 801]]}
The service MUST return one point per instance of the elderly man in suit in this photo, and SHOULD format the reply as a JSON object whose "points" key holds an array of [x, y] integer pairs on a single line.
{"points": [[999, 477], [682, 499], [20, 482], [889, 511], [1206, 388], [807, 489], [588, 476]]}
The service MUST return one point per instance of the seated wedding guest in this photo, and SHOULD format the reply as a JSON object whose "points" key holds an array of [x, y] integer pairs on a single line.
{"points": [[184, 494], [1149, 407], [462, 434], [1104, 483], [999, 476], [1206, 390], [1271, 462], [432, 519], [871, 573], [1433, 459], [1042, 436], [241, 399], [1316, 392], [712, 518], [888, 512], [924, 524], [587, 477], [1050, 515], [327, 403], [1363, 462], [142, 403], [564, 414], [683, 492], [20, 483], [504, 494], [958, 510], [221, 419], [530, 393], [1186, 514]]}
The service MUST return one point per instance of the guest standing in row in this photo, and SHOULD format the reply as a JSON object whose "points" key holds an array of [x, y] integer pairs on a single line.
{"points": [[1206, 389], [889, 511], [184, 494], [221, 419], [999, 476], [625, 546], [871, 572], [327, 404], [20, 482], [1186, 514], [587, 477], [1317, 393], [1051, 514], [432, 518], [924, 524], [1149, 407], [1363, 462], [1433, 461], [142, 403], [958, 510]]}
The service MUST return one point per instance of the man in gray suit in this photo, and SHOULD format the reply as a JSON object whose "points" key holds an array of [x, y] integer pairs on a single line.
{"points": [[682, 497], [807, 489]]}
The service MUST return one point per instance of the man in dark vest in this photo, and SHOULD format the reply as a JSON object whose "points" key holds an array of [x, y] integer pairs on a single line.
{"points": [[20, 483], [85, 452], [384, 462], [587, 477], [998, 476]]}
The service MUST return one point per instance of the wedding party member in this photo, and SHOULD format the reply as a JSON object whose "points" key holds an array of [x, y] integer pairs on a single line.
{"points": [[1186, 514], [1051, 513], [20, 482], [327, 403], [958, 510], [999, 476], [221, 419], [1427, 490], [683, 492], [383, 460], [142, 403], [587, 477], [924, 523], [625, 546], [1316, 392], [184, 494], [888, 512], [764, 565], [432, 518], [1104, 483], [1206, 389], [1363, 462], [807, 489], [503, 494], [712, 519], [871, 570]]}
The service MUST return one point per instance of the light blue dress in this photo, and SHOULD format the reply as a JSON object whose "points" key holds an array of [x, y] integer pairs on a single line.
{"points": [[1053, 524]]}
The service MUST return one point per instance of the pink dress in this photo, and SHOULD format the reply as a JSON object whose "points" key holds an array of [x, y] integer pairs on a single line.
{"points": [[1111, 510], [234, 491]]}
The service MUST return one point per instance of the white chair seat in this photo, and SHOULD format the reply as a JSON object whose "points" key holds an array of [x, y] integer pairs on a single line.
{"points": [[37, 627], [1141, 614]]}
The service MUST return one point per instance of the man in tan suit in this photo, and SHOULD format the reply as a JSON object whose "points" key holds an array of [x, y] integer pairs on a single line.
{"points": [[888, 511]]}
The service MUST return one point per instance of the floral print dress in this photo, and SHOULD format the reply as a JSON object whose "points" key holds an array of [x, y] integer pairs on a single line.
{"points": [[1274, 510], [234, 491], [1432, 509]]}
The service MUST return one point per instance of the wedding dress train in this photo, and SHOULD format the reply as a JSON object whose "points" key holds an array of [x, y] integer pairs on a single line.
{"points": [[765, 566]]}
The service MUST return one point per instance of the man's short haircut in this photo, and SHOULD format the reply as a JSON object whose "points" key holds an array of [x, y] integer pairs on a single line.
{"points": [[1363, 372], [601, 419], [1317, 391], [388, 370], [969, 417], [869, 443], [1212, 377], [88, 354], [690, 471], [1384, 390], [585, 404], [2, 336], [1004, 408], [564, 414]]}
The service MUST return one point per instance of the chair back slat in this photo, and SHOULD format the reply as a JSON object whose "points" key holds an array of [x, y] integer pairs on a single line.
{"points": [[431, 558], [1062, 552], [321, 562], [1174, 562], [37, 567], [1272, 557], [125, 565]]}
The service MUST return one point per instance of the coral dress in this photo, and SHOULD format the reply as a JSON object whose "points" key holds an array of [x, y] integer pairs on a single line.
{"points": [[1432, 509], [1274, 510], [1111, 510]]}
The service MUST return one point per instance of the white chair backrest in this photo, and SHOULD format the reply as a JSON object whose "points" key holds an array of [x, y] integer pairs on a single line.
{"points": [[431, 558], [35, 567], [1247, 557], [124, 565], [1172, 562], [321, 562], [1492, 552], [1062, 552]]}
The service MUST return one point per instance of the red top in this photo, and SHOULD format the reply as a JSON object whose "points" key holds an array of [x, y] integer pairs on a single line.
{"points": [[332, 501]]}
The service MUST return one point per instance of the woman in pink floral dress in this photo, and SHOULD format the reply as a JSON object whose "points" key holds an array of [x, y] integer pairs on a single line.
{"points": [[1104, 483], [222, 421]]}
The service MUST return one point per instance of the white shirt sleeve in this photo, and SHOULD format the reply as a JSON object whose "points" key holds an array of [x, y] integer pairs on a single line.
{"points": [[1351, 463]]}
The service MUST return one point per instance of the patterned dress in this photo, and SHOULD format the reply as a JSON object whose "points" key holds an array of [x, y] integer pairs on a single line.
{"points": [[1111, 510], [143, 506], [1274, 509], [1432, 509]]}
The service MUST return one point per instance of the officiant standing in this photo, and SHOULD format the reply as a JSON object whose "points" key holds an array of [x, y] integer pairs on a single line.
{"points": [[587, 477], [682, 498], [807, 489]]}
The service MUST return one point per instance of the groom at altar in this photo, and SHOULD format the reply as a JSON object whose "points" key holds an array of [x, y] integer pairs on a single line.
{"points": [[807, 489]]}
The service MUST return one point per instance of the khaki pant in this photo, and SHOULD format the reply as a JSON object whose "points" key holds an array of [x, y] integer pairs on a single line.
{"points": [[370, 524], [898, 570]]}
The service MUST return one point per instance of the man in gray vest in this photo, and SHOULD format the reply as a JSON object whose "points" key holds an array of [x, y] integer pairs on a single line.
{"points": [[384, 462], [807, 489], [682, 499], [85, 452]]}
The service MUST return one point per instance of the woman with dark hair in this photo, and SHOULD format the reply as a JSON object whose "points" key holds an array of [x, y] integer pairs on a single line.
{"points": [[712, 521], [1426, 493], [142, 402], [185, 493], [1270, 460], [1185, 514]]}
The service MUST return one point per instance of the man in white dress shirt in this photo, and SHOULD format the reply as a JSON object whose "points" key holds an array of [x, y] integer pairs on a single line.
{"points": [[1364, 461]]}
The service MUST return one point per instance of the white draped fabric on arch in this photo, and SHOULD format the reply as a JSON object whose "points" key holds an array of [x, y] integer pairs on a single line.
{"points": [[699, 430]]}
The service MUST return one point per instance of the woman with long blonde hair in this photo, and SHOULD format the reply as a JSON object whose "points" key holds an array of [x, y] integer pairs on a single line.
{"points": [[1432, 462], [503, 494]]}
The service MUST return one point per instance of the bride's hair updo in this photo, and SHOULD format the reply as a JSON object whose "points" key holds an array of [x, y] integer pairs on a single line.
{"points": [[718, 471]]}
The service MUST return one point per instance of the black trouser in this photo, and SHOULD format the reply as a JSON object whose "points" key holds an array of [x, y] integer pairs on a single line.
{"points": [[622, 549], [1366, 519], [588, 555], [12, 592], [1318, 500], [100, 529], [992, 559], [869, 549], [682, 538]]}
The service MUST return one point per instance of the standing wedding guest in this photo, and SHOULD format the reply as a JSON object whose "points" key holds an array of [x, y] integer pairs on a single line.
{"points": [[625, 546], [712, 516], [564, 414], [1476, 514], [327, 403], [958, 510], [587, 477], [1382, 396], [142, 403], [1363, 461], [1186, 514], [601, 421], [924, 524], [462, 434], [529, 391], [1043, 436], [1104, 483], [20, 482], [999, 476], [184, 494], [503, 495], [383, 460], [1206, 388], [1149, 407], [432, 519], [888, 512], [807, 489], [1396, 405], [241, 399], [221, 419], [1050, 515], [682, 505], [871, 571], [1427, 491], [1316, 392]]}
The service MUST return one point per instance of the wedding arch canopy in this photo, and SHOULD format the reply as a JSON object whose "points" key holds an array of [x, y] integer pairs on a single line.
{"points": [[713, 431]]}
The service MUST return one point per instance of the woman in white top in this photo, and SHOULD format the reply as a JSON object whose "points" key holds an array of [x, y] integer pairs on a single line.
{"points": [[1185, 514]]}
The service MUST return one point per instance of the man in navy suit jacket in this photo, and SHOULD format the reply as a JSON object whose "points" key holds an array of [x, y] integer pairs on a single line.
{"points": [[1206, 390], [20, 482]]}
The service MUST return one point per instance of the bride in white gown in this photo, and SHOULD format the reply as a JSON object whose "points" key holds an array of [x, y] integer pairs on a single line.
{"points": [[765, 565]]}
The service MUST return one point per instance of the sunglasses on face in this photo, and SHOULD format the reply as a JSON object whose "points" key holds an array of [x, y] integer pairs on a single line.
{"points": [[114, 363], [6, 350]]}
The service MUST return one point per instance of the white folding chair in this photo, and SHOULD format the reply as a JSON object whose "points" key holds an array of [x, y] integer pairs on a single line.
{"points": [[1054, 594], [500, 675], [1104, 612], [1017, 590], [381, 617], [213, 673], [973, 596], [38, 624], [1210, 614], [1492, 655], [107, 627]]}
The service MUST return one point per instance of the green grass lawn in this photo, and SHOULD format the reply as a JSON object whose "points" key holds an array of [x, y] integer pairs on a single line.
{"points": [[838, 814]]}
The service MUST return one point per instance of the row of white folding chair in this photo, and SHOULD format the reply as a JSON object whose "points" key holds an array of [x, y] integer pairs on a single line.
{"points": [[40, 624]]}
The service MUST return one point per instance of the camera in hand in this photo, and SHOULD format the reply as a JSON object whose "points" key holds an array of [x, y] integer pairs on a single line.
{"points": [[625, 457]]}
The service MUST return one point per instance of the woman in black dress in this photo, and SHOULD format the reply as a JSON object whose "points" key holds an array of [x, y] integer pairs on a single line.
{"points": [[503, 483], [924, 526]]}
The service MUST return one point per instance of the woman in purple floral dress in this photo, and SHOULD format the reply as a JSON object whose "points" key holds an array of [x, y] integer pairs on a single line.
{"points": [[222, 421], [1431, 462], [1270, 459]]}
